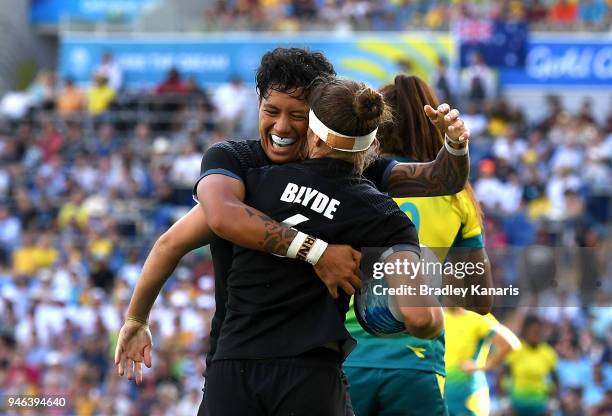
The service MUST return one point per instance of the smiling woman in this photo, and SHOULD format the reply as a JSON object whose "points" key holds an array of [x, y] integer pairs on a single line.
{"points": [[283, 122]]}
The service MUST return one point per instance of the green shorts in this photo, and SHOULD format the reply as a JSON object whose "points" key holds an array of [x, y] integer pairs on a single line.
{"points": [[385, 392], [466, 402], [528, 409]]}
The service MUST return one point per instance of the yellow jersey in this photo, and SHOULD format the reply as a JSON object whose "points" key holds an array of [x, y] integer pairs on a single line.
{"points": [[442, 222], [468, 336], [530, 371]]}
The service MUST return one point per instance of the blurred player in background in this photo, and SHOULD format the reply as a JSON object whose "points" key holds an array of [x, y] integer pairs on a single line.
{"points": [[282, 81], [404, 375], [531, 377], [469, 337]]}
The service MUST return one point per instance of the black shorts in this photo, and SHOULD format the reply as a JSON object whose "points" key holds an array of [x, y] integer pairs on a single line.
{"points": [[307, 385]]}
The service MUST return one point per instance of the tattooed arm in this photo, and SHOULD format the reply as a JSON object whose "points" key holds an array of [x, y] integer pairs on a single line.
{"points": [[229, 217], [447, 174]]}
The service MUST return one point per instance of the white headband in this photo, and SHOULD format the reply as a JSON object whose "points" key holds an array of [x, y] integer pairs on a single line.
{"points": [[340, 141]]}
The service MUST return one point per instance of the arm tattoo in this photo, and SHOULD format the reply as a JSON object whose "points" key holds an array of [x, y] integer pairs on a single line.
{"points": [[277, 238], [446, 175]]}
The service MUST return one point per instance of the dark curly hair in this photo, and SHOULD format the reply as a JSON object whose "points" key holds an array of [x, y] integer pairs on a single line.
{"points": [[291, 69]]}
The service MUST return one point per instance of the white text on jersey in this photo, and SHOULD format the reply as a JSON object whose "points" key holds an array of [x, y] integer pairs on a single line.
{"points": [[318, 202]]}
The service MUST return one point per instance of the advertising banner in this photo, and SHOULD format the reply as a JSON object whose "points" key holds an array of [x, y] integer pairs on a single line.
{"points": [[372, 58], [564, 62]]}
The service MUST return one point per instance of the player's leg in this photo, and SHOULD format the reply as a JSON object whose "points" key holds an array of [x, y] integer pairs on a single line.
{"points": [[457, 398], [304, 387], [478, 402], [411, 393], [349, 411], [231, 390], [364, 384]]}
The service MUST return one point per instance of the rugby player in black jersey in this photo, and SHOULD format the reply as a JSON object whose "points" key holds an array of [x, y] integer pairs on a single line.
{"points": [[282, 83], [283, 337]]}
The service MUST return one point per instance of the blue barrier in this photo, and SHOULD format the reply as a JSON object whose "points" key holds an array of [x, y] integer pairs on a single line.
{"points": [[214, 59]]}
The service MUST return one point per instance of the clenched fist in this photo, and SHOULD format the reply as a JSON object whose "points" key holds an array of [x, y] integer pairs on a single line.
{"points": [[449, 122]]}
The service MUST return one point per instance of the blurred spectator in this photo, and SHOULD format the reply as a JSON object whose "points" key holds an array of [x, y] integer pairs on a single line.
{"points": [[23, 263], [586, 112], [50, 140], [539, 267], [489, 189], [573, 367], [25, 210], [10, 233], [42, 90], [72, 213], [563, 13], [71, 99], [46, 254], [597, 168], [74, 144], [101, 274], [85, 173], [535, 11], [172, 84], [231, 100], [592, 12], [189, 404], [513, 194], [446, 83], [304, 9], [100, 95], [106, 142], [111, 70], [141, 142], [171, 96], [186, 167], [510, 147], [571, 403], [437, 16], [563, 180], [475, 119], [478, 80]]}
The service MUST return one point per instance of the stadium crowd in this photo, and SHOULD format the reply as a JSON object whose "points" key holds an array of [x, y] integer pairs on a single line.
{"points": [[300, 15], [89, 179]]}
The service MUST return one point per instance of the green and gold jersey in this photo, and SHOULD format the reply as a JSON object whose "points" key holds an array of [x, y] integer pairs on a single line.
{"points": [[530, 371], [469, 339], [442, 222]]}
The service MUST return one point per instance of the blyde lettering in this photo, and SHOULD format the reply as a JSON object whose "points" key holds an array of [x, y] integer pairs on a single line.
{"points": [[309, 197]]}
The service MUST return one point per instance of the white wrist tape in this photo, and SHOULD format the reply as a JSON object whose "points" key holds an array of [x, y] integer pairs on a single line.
{"points": [[453, 141], [316, 252], [456, 152], [295, 245]]}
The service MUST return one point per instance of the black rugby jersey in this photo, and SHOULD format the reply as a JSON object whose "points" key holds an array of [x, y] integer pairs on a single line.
{"points": [[278, 307], [234, 159]]}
